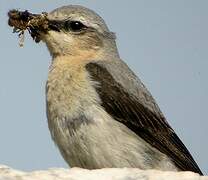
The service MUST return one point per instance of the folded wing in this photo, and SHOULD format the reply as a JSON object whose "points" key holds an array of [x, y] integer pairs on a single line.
{"points": [[126, 99]]}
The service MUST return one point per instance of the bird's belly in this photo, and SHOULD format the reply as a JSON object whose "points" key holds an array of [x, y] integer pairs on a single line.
{"points": [[106, 144], [87, 136]]}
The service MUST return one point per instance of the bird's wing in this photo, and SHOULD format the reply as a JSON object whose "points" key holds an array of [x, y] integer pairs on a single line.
{"points": [[126, 99]]}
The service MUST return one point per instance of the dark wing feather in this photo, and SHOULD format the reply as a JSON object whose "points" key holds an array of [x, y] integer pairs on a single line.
{"points": [[152, 127]]}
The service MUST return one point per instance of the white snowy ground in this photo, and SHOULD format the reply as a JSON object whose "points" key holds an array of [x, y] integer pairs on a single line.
{"points": [[7, 173]]}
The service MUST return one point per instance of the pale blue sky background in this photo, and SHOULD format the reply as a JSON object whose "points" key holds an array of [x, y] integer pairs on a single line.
{"points": [[165, 42]]}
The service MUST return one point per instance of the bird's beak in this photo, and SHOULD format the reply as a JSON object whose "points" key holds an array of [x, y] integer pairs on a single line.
{"points": [[36, 24]]}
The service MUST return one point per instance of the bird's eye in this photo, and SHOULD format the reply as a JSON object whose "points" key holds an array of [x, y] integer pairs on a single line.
{"points": [[75, 26]]}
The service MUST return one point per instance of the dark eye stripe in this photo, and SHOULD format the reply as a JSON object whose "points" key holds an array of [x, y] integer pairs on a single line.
{"points": [[74, 26]]}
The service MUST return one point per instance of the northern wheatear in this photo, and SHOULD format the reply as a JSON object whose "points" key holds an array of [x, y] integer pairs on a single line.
{"points": [[99, 112]]}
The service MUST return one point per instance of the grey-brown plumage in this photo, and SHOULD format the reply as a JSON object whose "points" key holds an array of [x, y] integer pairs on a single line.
{"points": [[99, 112], [147, 124]]}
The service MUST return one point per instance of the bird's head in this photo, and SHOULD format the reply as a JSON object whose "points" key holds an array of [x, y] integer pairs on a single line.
{"points": [[74, 30]]}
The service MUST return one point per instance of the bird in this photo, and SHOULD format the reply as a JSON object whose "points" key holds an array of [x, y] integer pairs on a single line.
{"points": [[100, 114]]}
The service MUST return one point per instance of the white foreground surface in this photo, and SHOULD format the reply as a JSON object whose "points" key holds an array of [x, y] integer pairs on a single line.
{"points": [[7, 173]]}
